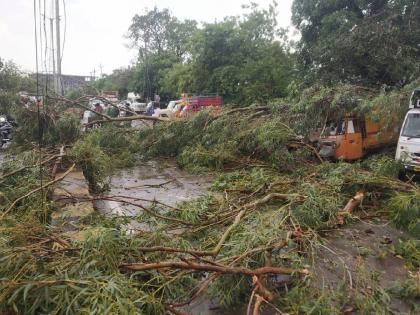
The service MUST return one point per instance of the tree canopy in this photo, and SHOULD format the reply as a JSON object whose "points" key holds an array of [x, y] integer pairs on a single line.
{"points": [[241, 58], [248, 59], [358, 41]]}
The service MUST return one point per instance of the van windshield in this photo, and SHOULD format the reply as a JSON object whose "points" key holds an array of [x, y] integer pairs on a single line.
{"points": [[412, 126], [415, 99], [334, 128]]}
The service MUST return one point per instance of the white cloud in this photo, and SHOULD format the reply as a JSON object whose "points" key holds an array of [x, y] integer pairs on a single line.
{"points": [[95, 28]]}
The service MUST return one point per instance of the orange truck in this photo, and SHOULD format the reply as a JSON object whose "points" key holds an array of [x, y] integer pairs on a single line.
{"points": [[351, 138]]}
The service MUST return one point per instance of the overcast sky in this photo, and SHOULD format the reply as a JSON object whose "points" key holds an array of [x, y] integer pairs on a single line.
{"points": [[96, 28]]}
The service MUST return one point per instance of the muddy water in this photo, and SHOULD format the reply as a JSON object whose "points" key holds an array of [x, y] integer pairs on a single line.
{"points": [[151, 181]]}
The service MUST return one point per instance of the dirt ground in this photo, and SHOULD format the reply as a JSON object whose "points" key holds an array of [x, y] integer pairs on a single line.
{"points": [[360, 252]]}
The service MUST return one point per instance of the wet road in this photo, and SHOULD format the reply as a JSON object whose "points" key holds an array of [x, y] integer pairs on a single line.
{"points": [[151, 181]]}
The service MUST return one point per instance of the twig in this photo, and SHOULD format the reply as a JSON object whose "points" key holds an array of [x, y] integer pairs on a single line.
{"points": [[152, 185], [257, 305], [76, 103], [248, 310]]}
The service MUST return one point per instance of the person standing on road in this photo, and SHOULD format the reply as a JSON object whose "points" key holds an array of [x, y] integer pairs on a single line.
{"points": [[98, 108]]}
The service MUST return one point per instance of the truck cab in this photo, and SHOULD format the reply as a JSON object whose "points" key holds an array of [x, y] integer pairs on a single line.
{"points": [[352, 137], [342, 139], [408, 149]]}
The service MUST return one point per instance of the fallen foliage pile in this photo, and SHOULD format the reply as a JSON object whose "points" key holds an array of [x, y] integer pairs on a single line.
{"points": [[252, 240]]}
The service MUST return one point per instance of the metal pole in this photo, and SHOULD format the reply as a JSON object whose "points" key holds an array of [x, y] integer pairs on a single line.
{"points": [[58, 42], [56, 89]]}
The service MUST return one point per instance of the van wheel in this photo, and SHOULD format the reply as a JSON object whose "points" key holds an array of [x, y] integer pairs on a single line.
{"points": [[402, 176]]}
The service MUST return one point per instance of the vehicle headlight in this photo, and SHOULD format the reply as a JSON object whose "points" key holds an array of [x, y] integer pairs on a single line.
{"points": [[405, 156]]}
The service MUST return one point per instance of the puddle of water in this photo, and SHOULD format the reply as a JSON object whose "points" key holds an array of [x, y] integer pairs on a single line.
{"points": [[149, 181]]}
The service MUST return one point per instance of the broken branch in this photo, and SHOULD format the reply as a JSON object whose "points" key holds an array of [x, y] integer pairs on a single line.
{"points": [[352, 204], [210, 267]]}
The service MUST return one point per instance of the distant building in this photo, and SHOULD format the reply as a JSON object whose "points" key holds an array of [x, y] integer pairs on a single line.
{"points": [[68, 82]]}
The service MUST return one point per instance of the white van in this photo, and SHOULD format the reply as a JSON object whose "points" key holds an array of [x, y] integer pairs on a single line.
{"points": [[137, 104], [408, 149], [170, 111]]}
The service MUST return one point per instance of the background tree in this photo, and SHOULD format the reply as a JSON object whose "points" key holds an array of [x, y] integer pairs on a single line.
{"points": [[358, 41], [121, 80], [243, 58], [162, 40], [12, 81]]}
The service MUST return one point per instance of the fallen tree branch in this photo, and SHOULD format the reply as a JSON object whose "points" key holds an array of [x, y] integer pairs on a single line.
{"points": [[107, 101], [56, 180], [175, 250], [278, 245], [76, 103], [189, 265]]}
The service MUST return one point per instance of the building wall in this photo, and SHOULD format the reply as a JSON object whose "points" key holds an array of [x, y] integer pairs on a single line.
{"points": [[68, 82]]}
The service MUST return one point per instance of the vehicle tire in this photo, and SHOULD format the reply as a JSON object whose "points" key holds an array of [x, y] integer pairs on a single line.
{"points": [[402, 175]]}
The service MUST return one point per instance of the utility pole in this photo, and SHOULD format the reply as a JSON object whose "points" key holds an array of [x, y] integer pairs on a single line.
{"points": [[100, 67], [53, 57], [57, 31]]}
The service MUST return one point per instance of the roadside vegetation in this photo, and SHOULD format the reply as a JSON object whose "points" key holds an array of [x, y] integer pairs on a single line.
{"points": [[253, 241]]}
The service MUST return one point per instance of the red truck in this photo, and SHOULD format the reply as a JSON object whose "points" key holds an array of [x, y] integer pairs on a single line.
{"points": [[197, 103]]}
